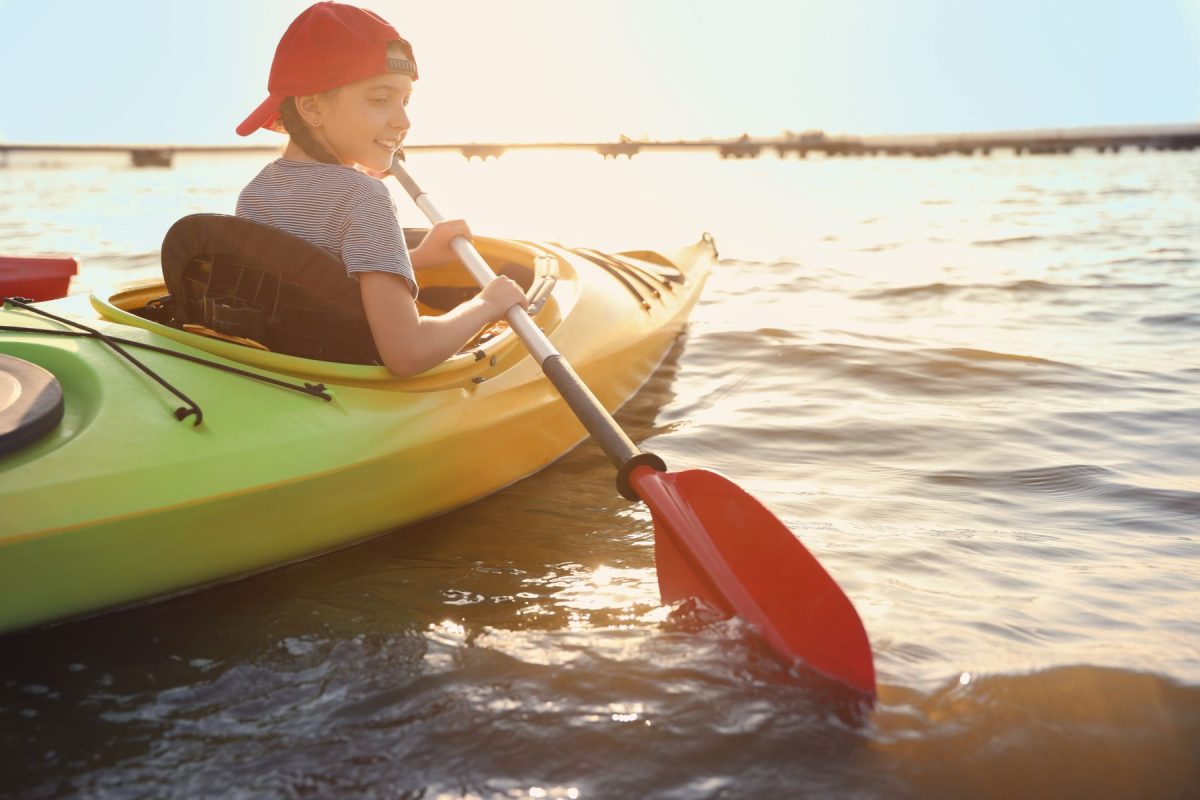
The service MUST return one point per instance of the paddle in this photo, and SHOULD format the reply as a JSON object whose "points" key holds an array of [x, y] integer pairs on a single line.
{"points": [[712, 540]]}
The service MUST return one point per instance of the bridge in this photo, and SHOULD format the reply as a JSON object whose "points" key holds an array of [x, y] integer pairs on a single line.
{"points": [[789, 145]]}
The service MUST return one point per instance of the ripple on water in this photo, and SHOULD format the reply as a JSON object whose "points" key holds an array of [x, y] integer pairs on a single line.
{"points": [[1007, 241], [984, 427], [1182, 319], [1065, 715]]}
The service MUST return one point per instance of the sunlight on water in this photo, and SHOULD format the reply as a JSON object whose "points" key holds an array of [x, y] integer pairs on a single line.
{"points": [[969, 386]]}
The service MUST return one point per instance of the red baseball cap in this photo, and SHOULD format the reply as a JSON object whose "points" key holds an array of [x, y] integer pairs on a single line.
{"points": [[327, 46]]}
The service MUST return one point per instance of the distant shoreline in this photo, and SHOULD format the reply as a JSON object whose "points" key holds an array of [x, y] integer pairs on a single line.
{"points": [[1112, 138]]}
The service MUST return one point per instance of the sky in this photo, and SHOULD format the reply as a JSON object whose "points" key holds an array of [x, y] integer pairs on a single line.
{"points": [[173, 72]]}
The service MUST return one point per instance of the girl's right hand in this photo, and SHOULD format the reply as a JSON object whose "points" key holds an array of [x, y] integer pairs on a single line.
{"points": [[501, 294]]}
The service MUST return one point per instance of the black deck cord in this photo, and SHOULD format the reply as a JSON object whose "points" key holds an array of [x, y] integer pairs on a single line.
{"points": [[667, 279], [661, 271], [181, 413], [311, 389], [611, 269], [633, 269], [619, 275], [632, 274]]}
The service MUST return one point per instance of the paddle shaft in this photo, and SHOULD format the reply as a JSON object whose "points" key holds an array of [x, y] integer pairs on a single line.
{"points": [[624, 454]]}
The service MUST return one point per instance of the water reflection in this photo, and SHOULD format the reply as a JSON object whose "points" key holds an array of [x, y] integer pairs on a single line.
{"points": [[970, 388]]}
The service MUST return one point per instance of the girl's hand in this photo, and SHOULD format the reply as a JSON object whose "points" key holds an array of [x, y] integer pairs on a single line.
{"points": [[501, 294], [435, 247]]}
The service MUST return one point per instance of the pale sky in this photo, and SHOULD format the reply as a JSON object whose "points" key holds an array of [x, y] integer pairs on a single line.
{"points": [[172, 72]]}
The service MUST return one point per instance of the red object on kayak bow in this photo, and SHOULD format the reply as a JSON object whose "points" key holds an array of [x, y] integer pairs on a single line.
{"points": [[36, 277], [714, 541]]}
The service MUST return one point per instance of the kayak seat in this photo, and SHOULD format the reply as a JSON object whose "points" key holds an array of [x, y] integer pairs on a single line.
{"points": [[254, 284], [244, 279]]}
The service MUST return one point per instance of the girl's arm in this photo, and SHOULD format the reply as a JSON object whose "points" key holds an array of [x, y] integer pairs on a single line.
{"points": [[410, 343]]}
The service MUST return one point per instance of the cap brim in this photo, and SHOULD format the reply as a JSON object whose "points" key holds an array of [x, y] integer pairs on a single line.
{"points": [[261, 117]]}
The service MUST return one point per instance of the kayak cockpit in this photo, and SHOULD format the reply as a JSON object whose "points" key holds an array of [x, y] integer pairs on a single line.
{"points": [[270, 302]]}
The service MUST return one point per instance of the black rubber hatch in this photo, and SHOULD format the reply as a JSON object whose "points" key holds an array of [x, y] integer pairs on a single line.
{"points": [[31, 403]]}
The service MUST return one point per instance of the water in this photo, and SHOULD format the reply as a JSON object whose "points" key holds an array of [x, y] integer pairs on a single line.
{"points": [[970, 386]]}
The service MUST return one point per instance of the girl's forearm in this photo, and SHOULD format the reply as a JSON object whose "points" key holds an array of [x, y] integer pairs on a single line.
{"points": [[440, 337]]}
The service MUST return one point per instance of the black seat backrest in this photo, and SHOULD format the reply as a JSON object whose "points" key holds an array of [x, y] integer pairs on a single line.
{"points": [[244, 278]]}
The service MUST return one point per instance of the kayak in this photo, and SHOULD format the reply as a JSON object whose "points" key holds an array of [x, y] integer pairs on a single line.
{"points": [[215, 455]]}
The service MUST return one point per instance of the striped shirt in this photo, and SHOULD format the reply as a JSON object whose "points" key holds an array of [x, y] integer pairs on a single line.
{"points": [[341, 210]]}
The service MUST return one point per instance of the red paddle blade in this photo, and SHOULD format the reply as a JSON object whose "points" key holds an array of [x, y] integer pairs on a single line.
{"points": [[715, 541]]}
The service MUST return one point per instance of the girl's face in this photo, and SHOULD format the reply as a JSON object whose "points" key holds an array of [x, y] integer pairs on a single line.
{"points": [[363, 122]]}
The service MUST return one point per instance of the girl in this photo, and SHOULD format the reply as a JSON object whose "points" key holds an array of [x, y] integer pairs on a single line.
{"points": [[339, 87]]}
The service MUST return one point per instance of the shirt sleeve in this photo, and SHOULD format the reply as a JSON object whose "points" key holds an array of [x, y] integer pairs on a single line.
{"points": [[374, 241]]}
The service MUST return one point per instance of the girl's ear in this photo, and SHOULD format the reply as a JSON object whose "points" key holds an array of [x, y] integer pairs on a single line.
{"points": [[311, 109]]}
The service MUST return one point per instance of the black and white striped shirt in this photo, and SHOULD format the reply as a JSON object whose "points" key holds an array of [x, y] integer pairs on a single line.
{"points": [[344, 211]]}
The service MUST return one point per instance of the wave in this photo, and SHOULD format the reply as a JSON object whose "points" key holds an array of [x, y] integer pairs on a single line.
{"points": [[1071, 480], [1007, 240], [1185, 320], [932, 372], [1076, 731], [1026, 286], [1081, 481], [558, 706], [942, 289], [1124, 191], [126, 261], [1150, 262]]}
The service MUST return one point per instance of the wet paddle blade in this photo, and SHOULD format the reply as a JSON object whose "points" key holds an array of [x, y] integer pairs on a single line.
{"points": [[715, 541]]}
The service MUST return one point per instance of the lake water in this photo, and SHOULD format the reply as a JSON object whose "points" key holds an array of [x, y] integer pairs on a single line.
{"points": [[970, 386]]}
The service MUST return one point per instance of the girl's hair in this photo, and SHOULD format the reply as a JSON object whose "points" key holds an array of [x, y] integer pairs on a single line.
{"points": [[301, 134]]}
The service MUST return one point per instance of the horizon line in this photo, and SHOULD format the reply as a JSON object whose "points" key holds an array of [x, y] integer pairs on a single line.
{"points": [[1138, 129]]}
